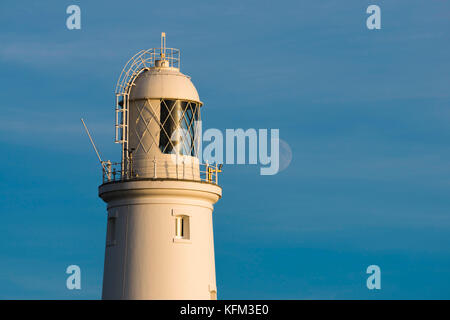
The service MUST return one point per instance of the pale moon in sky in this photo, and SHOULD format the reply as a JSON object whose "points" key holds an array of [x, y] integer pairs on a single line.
{"points": [[285, 155]]}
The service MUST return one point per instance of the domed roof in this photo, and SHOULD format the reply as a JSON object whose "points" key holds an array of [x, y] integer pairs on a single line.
{"points": [[163, 82]]}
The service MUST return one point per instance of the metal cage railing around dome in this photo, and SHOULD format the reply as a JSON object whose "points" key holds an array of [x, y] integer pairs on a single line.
{"points": [[145, 59], [141, 61]]}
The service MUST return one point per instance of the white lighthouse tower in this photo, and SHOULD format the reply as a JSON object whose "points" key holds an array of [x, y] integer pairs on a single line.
{"points": [[160, 198]]}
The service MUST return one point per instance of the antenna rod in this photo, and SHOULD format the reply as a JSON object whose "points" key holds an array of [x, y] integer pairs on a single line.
{"points": [[92, 141], [163, 45]]}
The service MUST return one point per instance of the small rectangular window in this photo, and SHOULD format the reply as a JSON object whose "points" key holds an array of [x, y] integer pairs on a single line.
{"points": [[111, 231], [182, 227]]}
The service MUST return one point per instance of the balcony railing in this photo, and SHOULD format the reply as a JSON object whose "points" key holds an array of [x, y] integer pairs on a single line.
{"points": [[112, 171]]}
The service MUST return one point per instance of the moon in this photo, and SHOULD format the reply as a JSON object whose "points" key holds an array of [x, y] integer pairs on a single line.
{"points": [[285, 155]]}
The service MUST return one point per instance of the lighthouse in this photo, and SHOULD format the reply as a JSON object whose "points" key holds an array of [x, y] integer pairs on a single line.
{"points": [[160, 196]]}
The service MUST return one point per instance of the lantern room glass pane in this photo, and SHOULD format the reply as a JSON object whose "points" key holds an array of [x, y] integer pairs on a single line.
{"points": [[178, 132]]}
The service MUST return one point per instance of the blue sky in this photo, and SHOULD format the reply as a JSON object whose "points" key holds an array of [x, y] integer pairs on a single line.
{"points": [[366, 114]]}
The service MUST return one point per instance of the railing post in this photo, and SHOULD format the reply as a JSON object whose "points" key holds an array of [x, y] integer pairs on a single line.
{"points": [[108, 170], [217, 175], [209, 172], [130, 157], [154, 167]]}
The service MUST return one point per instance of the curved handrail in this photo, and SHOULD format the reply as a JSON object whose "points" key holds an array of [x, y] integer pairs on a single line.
{"points": [[145, 59]]}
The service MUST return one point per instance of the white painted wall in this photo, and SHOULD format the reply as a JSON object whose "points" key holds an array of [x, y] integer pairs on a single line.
{"points": [[145, 261]]}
